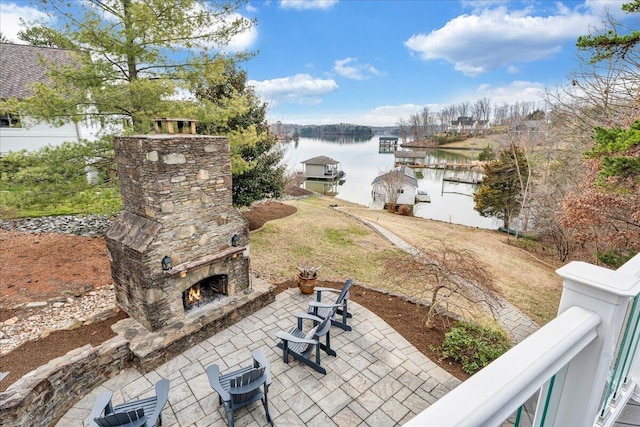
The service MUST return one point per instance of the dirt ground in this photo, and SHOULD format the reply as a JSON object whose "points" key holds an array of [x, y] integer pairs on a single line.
{"points": [[45, 266]]}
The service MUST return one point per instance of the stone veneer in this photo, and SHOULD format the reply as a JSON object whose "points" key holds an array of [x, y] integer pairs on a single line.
{"points": [[176, 191]]}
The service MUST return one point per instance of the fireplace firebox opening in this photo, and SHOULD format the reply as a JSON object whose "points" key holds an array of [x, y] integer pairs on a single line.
{"points": [[205, 291]]}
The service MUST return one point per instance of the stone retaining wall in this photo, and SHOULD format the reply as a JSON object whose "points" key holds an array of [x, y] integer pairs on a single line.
{"points": [[44, 395]]}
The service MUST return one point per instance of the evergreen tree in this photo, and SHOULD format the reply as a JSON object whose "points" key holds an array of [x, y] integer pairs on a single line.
{"points": [[501, 188], [4, 39], [612, 44], [39, 35], [133, 56], [256, 156], [132, 59]]}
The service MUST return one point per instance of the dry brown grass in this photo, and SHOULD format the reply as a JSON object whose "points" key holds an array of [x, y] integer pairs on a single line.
{"points": [[346, 248]]}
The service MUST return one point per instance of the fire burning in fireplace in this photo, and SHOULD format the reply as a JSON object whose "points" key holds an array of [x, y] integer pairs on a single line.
{"points": [[205, 291], [194, 296]]}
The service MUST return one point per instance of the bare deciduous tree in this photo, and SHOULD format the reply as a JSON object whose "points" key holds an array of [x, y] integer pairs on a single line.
{"points": [[464, 110], [415, 123], [482, 111], [403, 128], [448, 115], [388, 185], [455, 280], [600, 93]]}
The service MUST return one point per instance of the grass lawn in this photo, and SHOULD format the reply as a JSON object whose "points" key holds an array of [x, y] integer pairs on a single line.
{"points": [[345, 248]]}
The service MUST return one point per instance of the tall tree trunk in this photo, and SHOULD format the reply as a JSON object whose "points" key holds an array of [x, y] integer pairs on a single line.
{"points": [[131, 59]]}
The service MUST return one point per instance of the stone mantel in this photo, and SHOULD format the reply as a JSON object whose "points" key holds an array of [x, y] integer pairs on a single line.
{"points": [[208, 259]]}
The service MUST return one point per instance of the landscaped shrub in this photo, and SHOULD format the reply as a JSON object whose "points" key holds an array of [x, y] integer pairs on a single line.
{"points": [[405, 210], [615, 259], [487, 153], [473, 346]]}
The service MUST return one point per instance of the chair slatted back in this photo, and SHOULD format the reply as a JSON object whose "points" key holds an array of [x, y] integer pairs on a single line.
{"points": [[323, 328], [344, 295], [121, 418], [255, 375], [345, 292]]}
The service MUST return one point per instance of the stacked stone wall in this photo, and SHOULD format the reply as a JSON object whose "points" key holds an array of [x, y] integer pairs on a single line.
{"points": [[42, 396]]}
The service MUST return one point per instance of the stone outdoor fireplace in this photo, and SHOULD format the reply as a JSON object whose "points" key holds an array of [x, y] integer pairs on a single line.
{"points": [[179, 244]]}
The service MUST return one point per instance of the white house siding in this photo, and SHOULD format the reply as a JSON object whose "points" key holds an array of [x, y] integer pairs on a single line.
{"points": [[33, 136], [21, 66], [408, 195]]}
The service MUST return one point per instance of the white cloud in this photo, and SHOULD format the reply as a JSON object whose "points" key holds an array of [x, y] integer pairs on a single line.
{"points": [[307, 4], [299, 89], [516, 91], [10, 15], [244, 40], [495, 38], [389, 115], [601, 7], [350, 69]]}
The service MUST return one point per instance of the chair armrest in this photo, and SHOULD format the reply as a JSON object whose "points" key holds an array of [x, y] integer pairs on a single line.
{"points": [[102, 404], [288, 337], [324, 304], [301, 315], [261, 359], [162, 395], [321, 289], [213, 373]]}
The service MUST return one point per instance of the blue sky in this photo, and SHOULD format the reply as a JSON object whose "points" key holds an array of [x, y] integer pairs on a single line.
{"points": [[374, 62]]}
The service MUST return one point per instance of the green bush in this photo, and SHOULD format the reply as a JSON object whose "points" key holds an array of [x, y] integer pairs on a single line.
{"points": [[487, 153], [53, 180], [473, 346], [615, 259]]}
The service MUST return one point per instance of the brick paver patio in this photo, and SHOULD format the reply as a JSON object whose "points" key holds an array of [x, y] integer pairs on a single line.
{"points": [[377, 379]]}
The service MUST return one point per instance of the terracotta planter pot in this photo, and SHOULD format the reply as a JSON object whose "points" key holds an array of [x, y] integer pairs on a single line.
{"points": [[306, 285]]}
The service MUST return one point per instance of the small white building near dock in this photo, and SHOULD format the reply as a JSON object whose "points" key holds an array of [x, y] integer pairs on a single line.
{"points": [[397, 187]]}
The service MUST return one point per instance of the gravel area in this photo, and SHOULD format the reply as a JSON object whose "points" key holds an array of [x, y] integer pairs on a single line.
{"points": [[88, 225]]}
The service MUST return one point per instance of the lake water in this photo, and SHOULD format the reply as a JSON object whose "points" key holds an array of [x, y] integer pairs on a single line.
{"points": [[361, 161]]}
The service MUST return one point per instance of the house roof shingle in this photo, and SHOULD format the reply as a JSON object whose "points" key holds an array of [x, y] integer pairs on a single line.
{"points": [[321, 160], [406, 174], [21, 65]]}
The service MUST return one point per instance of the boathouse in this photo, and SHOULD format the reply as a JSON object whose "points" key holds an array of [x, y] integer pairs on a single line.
{"points": [[387, 144], [397, 187], [322, 168]]}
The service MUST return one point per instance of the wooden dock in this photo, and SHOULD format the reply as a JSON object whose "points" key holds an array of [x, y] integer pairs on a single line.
{"points": [[462, 180], [477, 165]]}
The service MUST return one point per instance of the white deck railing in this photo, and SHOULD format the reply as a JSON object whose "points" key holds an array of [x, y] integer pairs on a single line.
{"points": [[586, 362]]}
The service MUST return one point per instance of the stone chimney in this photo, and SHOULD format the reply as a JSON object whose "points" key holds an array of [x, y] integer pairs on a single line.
{"points": [[178, 229]]}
